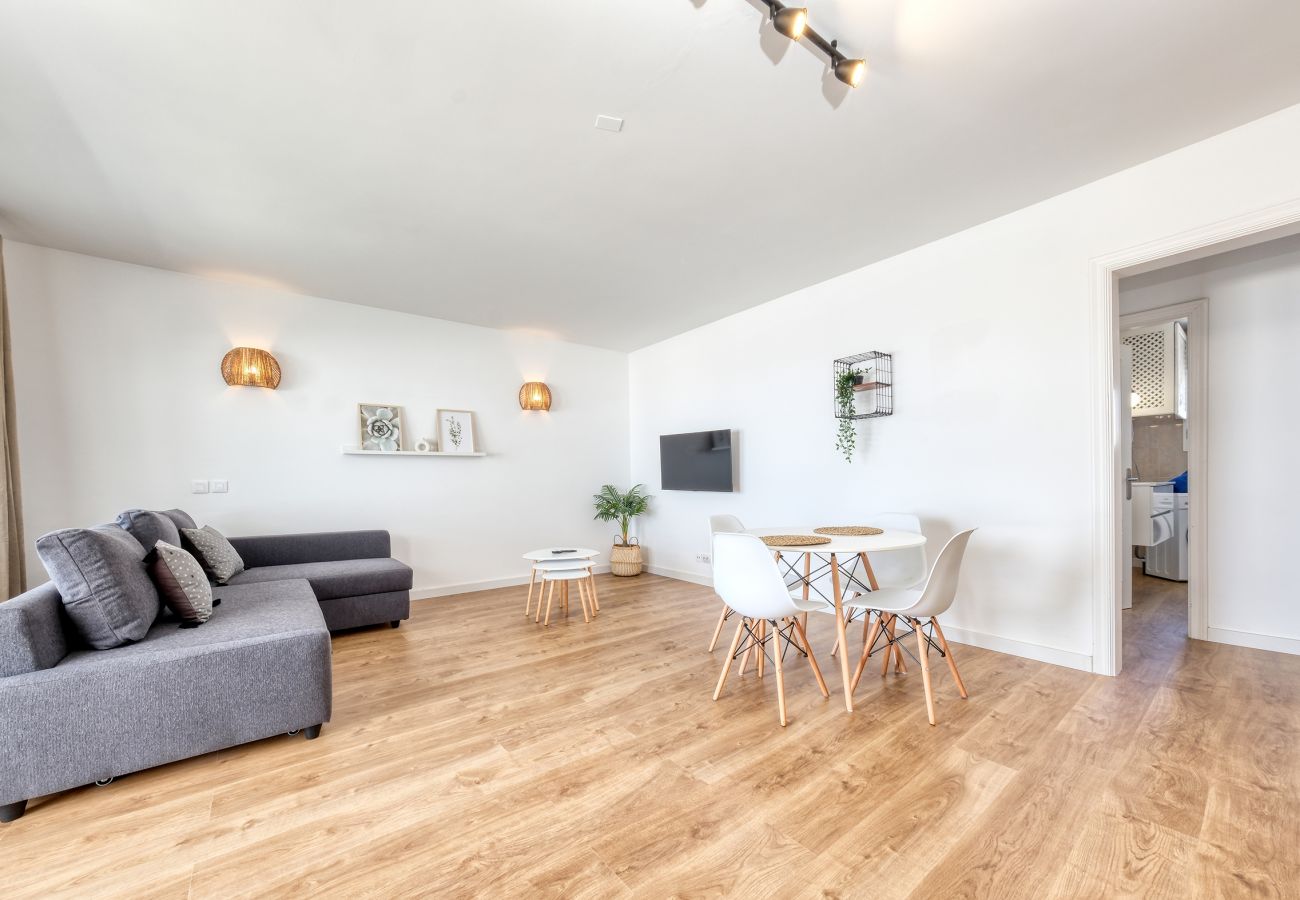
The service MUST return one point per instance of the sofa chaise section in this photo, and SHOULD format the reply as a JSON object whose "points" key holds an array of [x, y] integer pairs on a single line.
{"points": [[260, 667], [351, 572]]}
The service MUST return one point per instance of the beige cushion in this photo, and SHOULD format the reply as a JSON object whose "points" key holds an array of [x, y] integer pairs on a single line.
{"points": [[221, 561], [182, 583]]}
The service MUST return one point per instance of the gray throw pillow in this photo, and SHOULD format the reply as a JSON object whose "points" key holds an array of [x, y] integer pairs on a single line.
{"points": [[150, 527], [182, 584], [220, 559], [180, 518], [102, 580]]}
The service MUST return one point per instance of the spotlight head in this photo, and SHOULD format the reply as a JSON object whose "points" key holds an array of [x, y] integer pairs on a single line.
{"points": [[791, 21], [851, 71]]}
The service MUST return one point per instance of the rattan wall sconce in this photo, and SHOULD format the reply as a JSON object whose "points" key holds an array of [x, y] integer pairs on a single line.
{"points": [[535, 395], [250, 367]]}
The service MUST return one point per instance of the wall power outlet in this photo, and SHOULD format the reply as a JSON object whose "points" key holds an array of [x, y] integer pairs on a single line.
{"points": [[703, 557]]}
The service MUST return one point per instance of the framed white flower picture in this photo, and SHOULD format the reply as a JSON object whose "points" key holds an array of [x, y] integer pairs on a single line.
{"points": [[381, 426], [455, 431]]}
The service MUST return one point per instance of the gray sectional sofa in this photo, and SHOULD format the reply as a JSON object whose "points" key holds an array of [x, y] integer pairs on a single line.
{"points": [[71, 715]]}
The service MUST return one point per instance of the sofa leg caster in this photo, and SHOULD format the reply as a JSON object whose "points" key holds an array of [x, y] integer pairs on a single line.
{"points": [[11, 811], [104, 782], [396, 623], [312, 732]]}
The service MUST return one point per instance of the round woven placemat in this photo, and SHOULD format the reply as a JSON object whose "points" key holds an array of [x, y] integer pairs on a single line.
{"points": [[855, 530], [794, 540]]}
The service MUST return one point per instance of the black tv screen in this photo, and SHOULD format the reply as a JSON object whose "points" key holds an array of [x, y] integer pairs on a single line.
{"points": [[699, 461]]}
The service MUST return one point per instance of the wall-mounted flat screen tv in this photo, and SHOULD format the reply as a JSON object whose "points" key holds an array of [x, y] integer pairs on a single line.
{"points": [[699, 461]]}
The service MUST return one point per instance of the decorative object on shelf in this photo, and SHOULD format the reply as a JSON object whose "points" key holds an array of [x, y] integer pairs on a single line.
{"points": [[794, 540], [424, 445], [381, 426], [455, 431], [792, 21], [612, 505], [250, 367], [851, 530], [535, 395]]}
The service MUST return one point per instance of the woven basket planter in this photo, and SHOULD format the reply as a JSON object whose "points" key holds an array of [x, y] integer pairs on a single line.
{"points": [[625, 559]]}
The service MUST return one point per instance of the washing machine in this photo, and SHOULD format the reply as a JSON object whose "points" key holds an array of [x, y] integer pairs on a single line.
{"points": [[1168, 559]]}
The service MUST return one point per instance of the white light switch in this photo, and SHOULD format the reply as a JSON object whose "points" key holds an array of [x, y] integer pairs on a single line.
{"points": [[198, 487], [220, 486]]}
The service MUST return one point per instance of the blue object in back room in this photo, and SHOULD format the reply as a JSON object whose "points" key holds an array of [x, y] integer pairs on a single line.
{"points": [[1180, 484]]}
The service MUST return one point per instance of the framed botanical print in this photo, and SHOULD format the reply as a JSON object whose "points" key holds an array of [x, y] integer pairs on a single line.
{"points": [[381, 426], [456, 431]]}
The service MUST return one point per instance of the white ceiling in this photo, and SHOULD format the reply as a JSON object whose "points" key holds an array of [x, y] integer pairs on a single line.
{"points": [[440, 158]]}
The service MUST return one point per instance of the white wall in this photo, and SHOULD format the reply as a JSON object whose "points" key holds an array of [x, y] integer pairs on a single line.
{"points": [[1252, 430], [121, 404], [990, 334]]}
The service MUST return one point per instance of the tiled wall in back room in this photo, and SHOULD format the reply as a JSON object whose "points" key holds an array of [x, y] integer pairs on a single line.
{"points": [[1158, 453]]}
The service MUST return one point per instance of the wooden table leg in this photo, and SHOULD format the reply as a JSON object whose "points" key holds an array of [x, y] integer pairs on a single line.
{"points": [[532, 580], [840, 633], [595, 597]]}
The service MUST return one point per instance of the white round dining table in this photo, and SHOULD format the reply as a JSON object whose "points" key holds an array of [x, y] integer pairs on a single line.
{"points": [[843, 553]]}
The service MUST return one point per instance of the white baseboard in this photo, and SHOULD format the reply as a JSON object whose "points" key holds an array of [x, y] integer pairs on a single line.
{"points": [[1067, 658], [1037, 652], [681, 575], [1257, 641], [487, 584]]}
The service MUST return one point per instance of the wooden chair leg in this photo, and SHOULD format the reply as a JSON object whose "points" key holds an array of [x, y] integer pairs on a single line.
{"points": [[780, 672], [947, 654], [717, 632], [924, 649], [528, 604], [550, 595], [812, 660], [888, 627], [731, 657], [872, 636], [762, 646]]}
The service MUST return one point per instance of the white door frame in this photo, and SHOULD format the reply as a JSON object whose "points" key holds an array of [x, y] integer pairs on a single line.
{"points": [[1197, 313], [1107, 489]]}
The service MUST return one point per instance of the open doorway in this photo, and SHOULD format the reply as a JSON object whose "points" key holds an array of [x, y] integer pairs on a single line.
{"points": [[1207, 373], [1162, 355]]}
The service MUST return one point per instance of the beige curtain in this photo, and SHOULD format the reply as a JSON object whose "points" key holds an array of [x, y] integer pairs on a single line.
{"points": [[13, 565]]}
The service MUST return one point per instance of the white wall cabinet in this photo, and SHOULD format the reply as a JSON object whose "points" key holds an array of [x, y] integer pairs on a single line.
{"points": [[1159, 369]]}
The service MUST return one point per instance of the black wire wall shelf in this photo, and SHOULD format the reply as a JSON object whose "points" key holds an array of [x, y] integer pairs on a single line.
{"points": [[873, 373]]}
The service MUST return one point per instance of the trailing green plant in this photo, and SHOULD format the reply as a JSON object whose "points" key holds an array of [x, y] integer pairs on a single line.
{"points": [[847, 438], [612, 505]]}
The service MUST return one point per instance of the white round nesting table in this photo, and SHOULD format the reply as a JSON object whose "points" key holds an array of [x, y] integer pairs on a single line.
{"points": [[843, 553], [543, 560], [569, 553]]}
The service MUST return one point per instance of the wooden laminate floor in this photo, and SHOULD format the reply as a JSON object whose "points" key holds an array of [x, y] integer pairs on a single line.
{"points": [[474, 754]]}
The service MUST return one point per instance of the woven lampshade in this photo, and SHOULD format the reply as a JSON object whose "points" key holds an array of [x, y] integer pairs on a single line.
{"points": [[250, 367], [535, 395]]}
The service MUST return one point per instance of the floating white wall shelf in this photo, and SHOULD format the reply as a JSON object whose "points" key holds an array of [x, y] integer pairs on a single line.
{"points": [[357, 451]]}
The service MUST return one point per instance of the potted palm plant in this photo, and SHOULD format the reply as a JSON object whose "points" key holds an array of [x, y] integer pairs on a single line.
{"points": [[612, 505]]}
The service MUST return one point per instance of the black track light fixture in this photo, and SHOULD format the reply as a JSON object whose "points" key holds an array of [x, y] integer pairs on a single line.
{"points": [[792, 21]]}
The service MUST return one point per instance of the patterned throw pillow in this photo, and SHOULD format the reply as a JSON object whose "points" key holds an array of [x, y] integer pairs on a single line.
{"points": [[220, 559], [182, 584]]}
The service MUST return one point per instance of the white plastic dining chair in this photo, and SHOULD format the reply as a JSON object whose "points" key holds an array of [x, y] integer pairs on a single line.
{"points": [[720, 524], [746, 576], [919, 609]]}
